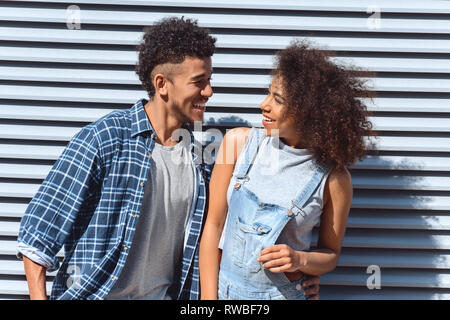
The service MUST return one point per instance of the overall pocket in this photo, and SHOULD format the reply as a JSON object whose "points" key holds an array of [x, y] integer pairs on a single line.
{"points": [[248, 243]]}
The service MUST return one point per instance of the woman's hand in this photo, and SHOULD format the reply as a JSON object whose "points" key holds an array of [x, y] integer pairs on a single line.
{"points": [[281, 258]]}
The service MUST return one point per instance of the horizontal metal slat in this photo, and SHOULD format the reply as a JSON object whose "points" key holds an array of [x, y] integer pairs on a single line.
{"points": [[402, 104], [74, 75], [308, 5], [357, 42], [24, 171], [407, 162], [400, 123], [386, 200], [233, 21], [9, 248], [61, 133], [131, 96], [12, 210], [16, 268], [250, 81], [405, 181], [431, 144], [20, 151], [18, 190], [330, 292], [376, 180], [90, 113], [393, 220], [230, 60], [394, 258], [115, 57], [9, 228], [22, 112], [389, 278], [19, 287], [392, 199], [394, 239], [214, 118]]}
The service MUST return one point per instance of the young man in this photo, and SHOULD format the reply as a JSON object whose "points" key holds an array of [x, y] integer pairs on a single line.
{"points": [[124, 199]]}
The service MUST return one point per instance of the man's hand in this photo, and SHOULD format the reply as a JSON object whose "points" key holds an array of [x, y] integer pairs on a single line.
{"points": [[311, 288]]}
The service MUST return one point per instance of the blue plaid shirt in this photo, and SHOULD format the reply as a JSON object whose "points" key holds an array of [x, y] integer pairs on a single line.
{"points": [[90, 203]]}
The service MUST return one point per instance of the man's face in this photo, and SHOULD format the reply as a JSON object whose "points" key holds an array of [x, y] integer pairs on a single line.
{"points": [[190, 89]]}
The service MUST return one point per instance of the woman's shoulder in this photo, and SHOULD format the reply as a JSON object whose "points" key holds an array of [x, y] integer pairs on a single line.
{"points": [[238, 132], [237, 137], [339, 182], [234, 141]]}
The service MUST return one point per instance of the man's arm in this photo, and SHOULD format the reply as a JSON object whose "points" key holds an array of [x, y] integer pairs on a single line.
{"points": [[36, 279], [49, 217]]}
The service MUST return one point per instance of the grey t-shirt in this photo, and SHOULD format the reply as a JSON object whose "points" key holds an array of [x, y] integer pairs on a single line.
{"points": [[154, 260]]}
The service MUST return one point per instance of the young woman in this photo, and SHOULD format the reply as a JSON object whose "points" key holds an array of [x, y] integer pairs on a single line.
{"points": [[271, 186]]}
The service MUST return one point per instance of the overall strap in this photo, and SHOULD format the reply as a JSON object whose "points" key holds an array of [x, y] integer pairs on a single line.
{"points": [[304, 194], [254, 142]]}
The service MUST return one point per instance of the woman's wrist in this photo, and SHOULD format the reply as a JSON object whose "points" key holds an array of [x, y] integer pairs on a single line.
{"points": [[302, 259]]}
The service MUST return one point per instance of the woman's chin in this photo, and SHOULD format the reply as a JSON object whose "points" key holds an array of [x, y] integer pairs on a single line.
{"points": [[269, 131]]}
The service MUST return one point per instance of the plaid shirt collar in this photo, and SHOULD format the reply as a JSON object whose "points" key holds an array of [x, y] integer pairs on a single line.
{"points": [[139, 120]]}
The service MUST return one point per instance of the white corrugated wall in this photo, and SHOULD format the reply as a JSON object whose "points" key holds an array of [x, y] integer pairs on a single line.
{"points": [[62, 67]]}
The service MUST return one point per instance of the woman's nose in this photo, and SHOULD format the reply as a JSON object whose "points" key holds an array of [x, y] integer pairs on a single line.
{"points": [[265, 105]]}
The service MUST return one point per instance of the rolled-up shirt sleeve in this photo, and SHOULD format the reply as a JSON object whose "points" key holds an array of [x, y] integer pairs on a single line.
{"points": [[36, 256], [50, 215]]}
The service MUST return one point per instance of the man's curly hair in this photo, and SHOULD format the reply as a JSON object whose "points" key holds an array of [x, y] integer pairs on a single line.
{"points": [[171, 40], [322, 97]]}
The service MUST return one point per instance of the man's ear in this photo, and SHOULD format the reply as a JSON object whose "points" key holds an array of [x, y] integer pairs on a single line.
{"points": [[160, 82]]}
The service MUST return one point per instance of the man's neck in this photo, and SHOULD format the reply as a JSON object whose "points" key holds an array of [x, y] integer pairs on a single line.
{"points": [[162, 122]]}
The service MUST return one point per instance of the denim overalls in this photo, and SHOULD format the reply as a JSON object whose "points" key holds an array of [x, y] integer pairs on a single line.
{"points": [[252, 226]]}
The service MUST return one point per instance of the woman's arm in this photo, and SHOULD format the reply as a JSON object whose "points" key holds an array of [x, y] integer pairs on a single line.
{"points": [[338, 195], [209, 255]]}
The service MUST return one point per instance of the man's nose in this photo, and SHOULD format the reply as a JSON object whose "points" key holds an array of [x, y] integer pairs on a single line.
{"points": [[207, 91]]}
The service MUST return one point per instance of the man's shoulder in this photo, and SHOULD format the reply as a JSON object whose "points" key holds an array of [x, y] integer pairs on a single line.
{"points": [[115, 120], [114, 125]]}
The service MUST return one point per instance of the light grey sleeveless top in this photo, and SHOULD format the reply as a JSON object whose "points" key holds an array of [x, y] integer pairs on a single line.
{"points": [[278, 173]]}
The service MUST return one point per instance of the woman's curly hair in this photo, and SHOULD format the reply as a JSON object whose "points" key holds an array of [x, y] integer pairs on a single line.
{"points": [[171, 40], [322, 97]]}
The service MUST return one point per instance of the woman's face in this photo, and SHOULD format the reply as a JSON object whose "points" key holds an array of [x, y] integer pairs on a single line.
{"points": [[275, 116]]}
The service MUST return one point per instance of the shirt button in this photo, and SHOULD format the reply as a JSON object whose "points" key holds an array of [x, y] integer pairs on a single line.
{"points": [[149, 155], [260, 229], [142, 184], [125, 247], [134, 215], [298, 287], [113, 278], [153, 136]]}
